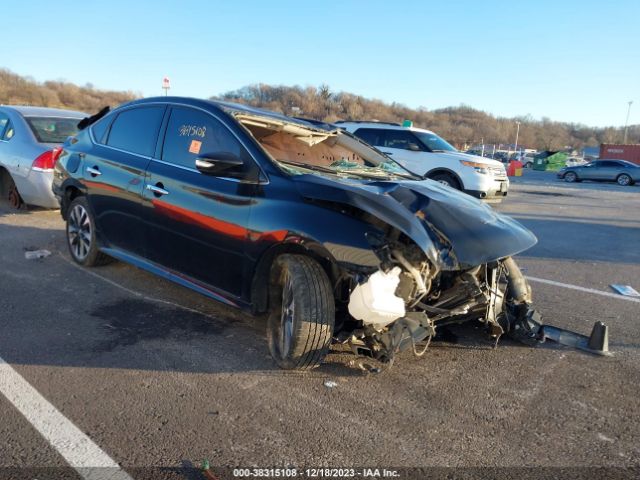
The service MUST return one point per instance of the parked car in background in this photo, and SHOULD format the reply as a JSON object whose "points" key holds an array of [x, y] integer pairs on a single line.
{"points": [[575, 162], [30, 139], [426, 154], [300, 220], [620, 171], [527, 160]]}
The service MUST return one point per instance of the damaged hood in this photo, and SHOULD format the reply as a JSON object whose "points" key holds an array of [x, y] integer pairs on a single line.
{"points": [[454, 230]]}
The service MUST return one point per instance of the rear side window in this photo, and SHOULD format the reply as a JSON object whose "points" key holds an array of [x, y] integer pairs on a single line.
{"points": [[99, 129], [52, 129], [191, 133], [608, 164], [4, 121], [136, 130], [9, 132]]}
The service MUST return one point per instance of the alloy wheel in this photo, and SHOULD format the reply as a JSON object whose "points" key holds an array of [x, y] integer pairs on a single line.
{"points": [[79, 232], [288, 311], [624, 180]]}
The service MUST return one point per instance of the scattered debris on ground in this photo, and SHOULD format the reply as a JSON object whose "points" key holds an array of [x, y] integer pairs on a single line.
{"points": [[34, 254], [626, 290]]}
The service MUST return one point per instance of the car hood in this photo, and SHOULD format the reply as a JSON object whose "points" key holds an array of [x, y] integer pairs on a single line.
{"points": [[454, 230]]}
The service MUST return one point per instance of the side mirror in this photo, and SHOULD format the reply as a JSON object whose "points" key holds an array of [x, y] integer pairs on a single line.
{"points": [[414, 147], [218, 163]]}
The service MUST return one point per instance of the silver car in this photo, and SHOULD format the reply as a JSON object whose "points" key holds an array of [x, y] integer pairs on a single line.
{"points": [[30, 139], [620, 171]]}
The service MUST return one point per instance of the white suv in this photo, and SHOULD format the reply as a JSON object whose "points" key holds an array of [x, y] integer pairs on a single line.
{"points": [[425, 153]]}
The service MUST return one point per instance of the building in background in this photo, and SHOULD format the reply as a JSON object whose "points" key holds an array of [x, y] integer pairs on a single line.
{"points": [[591, 153]]}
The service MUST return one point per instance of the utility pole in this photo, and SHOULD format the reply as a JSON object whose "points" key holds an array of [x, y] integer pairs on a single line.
{"points": [[517, 135], [626, 123]]}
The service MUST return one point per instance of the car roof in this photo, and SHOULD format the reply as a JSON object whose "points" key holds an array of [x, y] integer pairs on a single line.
{"points": [[29, 111], [385, 125], [617, 160], [234, 109]]}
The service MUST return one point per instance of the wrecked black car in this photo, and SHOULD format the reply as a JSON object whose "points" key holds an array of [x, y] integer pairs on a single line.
{"points": [[300, 220]]}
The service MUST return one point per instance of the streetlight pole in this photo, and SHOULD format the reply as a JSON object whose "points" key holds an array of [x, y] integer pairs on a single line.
{"points": [[517, 135], [626, 123]]}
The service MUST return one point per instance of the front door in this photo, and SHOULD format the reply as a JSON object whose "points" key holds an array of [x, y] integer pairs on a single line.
{"points": [[196, 222]]}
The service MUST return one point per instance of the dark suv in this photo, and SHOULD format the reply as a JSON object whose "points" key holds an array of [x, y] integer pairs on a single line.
{"points": [[299, 219]]}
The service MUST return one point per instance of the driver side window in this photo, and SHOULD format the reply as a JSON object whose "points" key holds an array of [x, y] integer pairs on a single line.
{"points": [[401, 139], [191, 133]]}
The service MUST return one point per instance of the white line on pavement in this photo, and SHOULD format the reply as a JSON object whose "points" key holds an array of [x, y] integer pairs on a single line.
{"points": [[73, 445], [583, 289]]}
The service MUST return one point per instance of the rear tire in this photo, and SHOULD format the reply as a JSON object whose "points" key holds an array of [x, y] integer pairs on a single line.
{"points": [[302, 317], [11, 192], [624, 180], [81, 235], [446, 179]]}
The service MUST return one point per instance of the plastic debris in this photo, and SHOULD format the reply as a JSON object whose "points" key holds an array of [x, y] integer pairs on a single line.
{"points": [[330, 384], [625, 290], [375, 302], [33, 254]]}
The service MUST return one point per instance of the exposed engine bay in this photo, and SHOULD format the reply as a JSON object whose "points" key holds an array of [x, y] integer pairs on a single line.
{"points": [[442, 258], [405, 303]]}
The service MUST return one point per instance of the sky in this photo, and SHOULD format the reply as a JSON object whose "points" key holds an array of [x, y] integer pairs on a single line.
{"points": [[568, 60]]}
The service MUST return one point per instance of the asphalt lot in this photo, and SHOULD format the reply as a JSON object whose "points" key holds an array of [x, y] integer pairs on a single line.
{"points": [[158, 376]]}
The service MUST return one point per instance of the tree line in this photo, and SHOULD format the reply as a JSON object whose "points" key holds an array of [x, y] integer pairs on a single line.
{"points": [[462, 125], [18, 90]]}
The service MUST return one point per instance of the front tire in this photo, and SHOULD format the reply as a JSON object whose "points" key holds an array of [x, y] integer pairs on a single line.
{"points": [[302, 317], [446, 179], [624, 180], [570, 177], [81, 235]]}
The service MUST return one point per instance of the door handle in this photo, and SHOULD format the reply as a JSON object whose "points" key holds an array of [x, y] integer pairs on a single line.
{"points": [[388, 153], [94, 171], [157, 189]]}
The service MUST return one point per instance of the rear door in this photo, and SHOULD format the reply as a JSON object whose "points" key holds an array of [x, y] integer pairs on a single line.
{"points": [[609, 170], [197, 223], [114, 175]]}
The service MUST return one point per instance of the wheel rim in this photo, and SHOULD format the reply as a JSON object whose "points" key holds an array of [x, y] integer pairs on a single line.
{"points": [[570, 177], [623, 180], [444, 182], [286, 321], [79, 232], [14, 197]]}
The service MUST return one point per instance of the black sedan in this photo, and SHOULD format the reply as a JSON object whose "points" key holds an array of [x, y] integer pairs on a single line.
{"points": [[330, 237], [620, 171]]}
